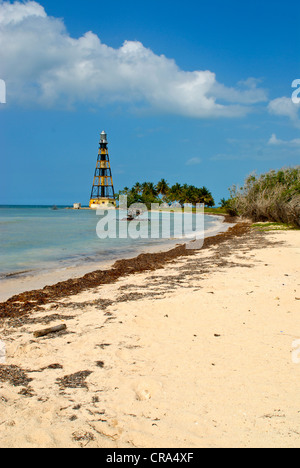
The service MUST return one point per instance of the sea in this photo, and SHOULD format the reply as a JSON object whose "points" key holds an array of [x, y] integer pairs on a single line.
{"points": [[35, 239]]}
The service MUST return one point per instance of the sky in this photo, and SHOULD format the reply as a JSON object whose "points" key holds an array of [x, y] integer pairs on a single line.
{"points": [[194, 92]]}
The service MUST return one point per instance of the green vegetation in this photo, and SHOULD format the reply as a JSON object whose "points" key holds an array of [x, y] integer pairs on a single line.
{"points": [[216, 210], [148, 193], [273, 197], [274, 227], [270, 200]]}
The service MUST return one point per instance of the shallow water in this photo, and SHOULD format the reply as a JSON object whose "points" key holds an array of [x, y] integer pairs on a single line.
{"points": [[35, 238]]}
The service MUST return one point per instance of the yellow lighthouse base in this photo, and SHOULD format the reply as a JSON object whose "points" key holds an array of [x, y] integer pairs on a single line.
{"points": [[106, 203]]}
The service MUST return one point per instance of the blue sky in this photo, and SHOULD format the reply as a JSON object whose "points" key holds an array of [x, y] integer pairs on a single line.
{"points": [[194, 92]]}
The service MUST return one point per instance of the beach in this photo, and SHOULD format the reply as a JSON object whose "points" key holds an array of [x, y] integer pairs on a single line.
{"points": [[179, 349], [40, 246]]}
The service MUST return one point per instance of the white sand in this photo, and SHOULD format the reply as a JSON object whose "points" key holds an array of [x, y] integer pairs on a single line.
{"points": [[167, 380]]}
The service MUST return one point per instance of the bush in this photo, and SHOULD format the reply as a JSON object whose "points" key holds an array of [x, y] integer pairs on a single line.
{"points": [[274, 196]]}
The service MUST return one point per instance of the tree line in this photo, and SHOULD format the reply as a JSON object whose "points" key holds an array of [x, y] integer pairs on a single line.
{"points": [[162, 192]]}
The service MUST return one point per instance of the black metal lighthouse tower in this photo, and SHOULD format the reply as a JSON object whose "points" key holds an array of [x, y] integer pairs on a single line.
{"points": [[103, 189]]}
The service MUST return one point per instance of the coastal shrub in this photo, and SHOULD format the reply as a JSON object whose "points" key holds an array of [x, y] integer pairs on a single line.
{"points": [[274, 196], [228, 207]]}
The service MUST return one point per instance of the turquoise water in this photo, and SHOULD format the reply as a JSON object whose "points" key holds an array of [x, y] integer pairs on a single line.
{"points": [[40, 238]]}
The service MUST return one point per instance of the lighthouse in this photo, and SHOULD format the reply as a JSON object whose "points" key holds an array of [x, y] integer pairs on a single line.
{"points": [[103, 194]]}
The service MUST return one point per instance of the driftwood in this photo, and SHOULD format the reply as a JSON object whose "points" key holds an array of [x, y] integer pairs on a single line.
{"points": [[46, 331]]}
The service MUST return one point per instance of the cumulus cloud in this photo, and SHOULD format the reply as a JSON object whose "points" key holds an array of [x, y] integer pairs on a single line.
{"points": [[285, 107], [42, 64], [278, 142], [17, 12]]}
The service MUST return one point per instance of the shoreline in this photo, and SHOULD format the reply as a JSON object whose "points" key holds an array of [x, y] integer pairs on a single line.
{"points": [[11, 285]]}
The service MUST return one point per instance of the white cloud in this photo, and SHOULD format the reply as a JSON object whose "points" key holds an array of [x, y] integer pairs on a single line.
{"points": [[246, 92], [259, 150], [17, 12], [275, 141], [42, 64], [193, 161], [285, 107]]}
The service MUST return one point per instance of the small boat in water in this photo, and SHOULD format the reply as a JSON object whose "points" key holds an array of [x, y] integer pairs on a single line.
{"points": [[134, 216]]}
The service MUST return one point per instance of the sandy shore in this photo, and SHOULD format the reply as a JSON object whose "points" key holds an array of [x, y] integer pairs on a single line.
{"points": [[196, 352]]}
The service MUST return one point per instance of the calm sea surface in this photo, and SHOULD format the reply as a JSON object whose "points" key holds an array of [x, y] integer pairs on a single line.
{"points": [[35, 238]]}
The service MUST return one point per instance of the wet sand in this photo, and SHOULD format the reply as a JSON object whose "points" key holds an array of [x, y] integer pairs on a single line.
{"points": [[177, 349]]}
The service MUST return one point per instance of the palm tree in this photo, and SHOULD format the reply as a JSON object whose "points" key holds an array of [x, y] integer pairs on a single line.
{"points": [[137, 187], [190, 194], [148, 193], [224, 203], [162, 188], [144, 187], [149, 189], [175, 192], [205, 197]]}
